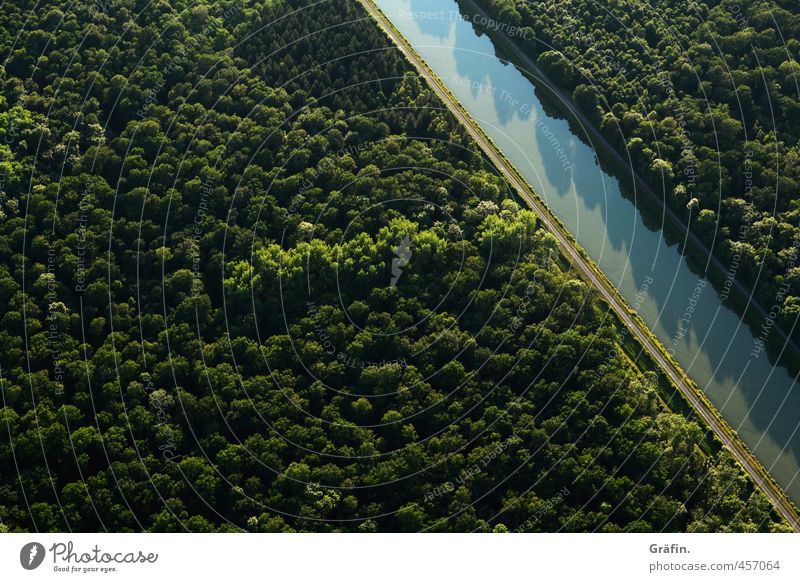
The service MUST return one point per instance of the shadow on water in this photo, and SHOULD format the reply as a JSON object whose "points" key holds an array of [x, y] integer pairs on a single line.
{"points": [[652, 215], [428, 20], [624, 233], [490, 81], [515, 104]]}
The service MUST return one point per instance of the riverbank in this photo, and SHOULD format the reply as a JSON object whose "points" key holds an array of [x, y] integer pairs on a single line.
{"points": [[780, 347], [588, 270]]}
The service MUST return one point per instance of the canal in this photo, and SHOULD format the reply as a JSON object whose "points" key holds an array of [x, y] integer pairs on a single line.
{"points": [[709, 339]]}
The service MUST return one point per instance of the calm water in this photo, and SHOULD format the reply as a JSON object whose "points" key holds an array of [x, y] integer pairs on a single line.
{"points": [[761, 401]]}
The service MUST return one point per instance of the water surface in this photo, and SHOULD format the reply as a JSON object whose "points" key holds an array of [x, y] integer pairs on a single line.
{"points": [[710, 340]]}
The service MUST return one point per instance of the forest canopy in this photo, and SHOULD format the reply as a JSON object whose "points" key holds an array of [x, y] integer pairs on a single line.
{"points": [[255, 277], [704, 96]]}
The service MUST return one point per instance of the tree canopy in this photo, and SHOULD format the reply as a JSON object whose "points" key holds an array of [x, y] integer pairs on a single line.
{"points": [[704, 96], [255, 277]]}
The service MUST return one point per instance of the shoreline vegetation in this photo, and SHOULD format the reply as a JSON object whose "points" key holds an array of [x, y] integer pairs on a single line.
{"points": [[183, 184], [769, 309], [657, 356]]}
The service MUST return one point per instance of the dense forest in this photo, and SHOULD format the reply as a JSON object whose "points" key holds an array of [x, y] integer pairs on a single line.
{"points": [[254, 277], [704, 96]]}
